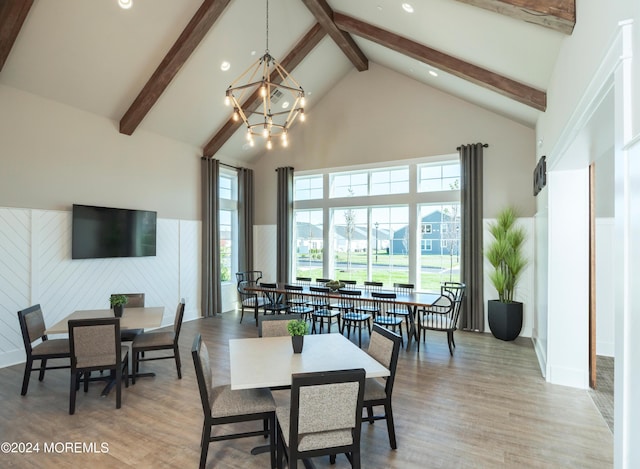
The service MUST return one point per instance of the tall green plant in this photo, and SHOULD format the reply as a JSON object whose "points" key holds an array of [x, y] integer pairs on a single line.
{"points": [[505, 254]]}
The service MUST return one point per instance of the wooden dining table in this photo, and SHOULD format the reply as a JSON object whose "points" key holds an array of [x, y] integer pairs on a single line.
{"points": [[132, 318], [414, 301]]}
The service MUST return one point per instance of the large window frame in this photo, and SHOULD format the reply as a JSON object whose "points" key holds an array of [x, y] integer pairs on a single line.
{"points": [[228, 216], [365, 199]]}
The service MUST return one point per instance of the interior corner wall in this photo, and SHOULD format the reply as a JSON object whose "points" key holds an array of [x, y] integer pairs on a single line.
{"points": [[381, 116]]}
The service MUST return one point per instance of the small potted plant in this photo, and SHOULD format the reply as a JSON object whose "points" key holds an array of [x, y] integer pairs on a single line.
{"points": [[335, 285], [297, 328], [505, 254], [117, 303]]}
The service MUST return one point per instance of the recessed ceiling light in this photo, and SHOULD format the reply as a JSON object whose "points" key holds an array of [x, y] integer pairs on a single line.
{"points": [[285, 105], [407, 7], [125, 4], [224, 66], [253, 52], [379, 8], [433, 73]]}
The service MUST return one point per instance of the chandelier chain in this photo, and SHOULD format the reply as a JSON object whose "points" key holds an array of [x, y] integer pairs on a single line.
{"points": [[267, 28]]}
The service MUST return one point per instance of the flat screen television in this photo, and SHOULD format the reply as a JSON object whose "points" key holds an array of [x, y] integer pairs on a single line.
{"points": [[100, 232]]}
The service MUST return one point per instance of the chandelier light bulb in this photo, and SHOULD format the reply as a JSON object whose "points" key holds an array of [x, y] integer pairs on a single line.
{"points": [[265, 132], [302, 117], [249, 138], [285, 141], [227, 100], [303, 101], [263, 91], [125, 4], [269, 144], [251, 142], [236, 115]]}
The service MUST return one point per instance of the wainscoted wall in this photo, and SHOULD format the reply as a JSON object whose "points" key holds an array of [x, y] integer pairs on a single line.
{"points": [[36, 267], [265, 251]]}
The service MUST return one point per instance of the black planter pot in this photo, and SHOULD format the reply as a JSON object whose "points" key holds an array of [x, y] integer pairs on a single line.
{"points": [[505, 319], [297, 341], [117, 311]]}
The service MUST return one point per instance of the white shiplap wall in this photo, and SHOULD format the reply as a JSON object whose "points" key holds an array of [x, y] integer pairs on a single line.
{"points": [[36, 267]]}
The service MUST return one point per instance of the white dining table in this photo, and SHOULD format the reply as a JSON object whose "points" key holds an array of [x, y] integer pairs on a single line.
{"points": [[270, 361]]}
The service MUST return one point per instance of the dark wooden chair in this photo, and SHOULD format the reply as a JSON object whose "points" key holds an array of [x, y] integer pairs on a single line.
{"points": [[275, 325], [134, 300], [274, 302], [387, 302], [154, 341], [33, 328], [223, 406], [297, 301], [95, 345], [324, 417], [384, 346], [443, 315], [321, 311], [249, 299], [353, 314]]}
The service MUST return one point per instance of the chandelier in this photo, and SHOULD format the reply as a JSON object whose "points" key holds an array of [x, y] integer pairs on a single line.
{"points": [[266, 84]]}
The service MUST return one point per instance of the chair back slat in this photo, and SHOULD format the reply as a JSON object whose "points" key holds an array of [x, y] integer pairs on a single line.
{"points": [[177, 322]]}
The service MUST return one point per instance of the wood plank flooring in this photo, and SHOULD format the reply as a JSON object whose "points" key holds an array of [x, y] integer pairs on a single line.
{"points": [[486, 407]]}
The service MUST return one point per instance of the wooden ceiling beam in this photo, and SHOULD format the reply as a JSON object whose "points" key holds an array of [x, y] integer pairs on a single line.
{"points": [[480, 76], [193, 33], [324, 15], [559, 15], [12, 16], [290, 62]]}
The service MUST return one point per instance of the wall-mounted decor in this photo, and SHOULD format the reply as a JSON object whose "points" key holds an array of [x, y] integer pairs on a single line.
{"points": [[540, 175]]}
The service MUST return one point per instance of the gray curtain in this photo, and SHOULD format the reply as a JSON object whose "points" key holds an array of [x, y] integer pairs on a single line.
{"points": [[211, 291], [471, 271], [285, 223], [245, 219]]}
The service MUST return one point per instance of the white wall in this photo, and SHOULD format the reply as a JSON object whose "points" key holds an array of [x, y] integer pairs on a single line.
{"points": [[36, 267], [605, 287]]}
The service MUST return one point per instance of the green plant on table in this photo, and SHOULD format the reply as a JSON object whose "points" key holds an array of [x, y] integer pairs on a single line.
{"points": [[118, 300], [297, 327]]}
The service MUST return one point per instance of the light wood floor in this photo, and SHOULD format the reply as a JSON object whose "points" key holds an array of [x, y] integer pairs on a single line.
{"points": [[486, 407]]}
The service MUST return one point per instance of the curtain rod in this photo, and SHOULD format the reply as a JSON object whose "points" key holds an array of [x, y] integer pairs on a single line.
{"points": [[484, 145], [222, 164]]}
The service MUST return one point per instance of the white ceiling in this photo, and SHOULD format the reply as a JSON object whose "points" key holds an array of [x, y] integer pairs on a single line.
{"points": [[96, 56]]}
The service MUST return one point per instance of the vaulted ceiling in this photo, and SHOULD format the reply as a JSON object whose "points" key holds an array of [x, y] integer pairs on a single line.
{"points": [[157, 65]]}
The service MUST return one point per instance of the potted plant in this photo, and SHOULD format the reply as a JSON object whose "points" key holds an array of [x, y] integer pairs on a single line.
{"points": [[505, 254], [297, 328], [335, 285], [117, 303]]}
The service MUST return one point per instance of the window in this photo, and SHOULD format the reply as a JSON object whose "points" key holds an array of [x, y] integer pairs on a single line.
{"points": [[390, 181], [439, 177], [440, 257], [377, 224], [349, 184], [308, 188], [228, 215], [309, 241]]}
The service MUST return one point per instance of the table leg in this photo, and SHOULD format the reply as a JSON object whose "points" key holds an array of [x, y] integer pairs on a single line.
{"points": [[412, 332]]}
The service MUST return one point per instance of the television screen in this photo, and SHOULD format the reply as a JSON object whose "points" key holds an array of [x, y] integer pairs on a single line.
{"points": [[99, 232]]}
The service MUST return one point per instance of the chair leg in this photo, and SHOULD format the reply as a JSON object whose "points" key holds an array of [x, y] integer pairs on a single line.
{"points": [[43, 365], [355, 459], [359, 335], [272, 439], [118, 386], [27, 374], [204, 443], [449, 340], [87, 378], [370, 414], [176, 354], [72, 393], [388, 413], [332, 459], [417, 340], [134, 366]]}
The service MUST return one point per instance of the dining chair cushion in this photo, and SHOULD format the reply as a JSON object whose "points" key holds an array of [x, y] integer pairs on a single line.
{"points": [[374, 390], [51, 346], [381, 349], [154, 339], [225, 402], [437, 321], [251, 302], [95, 346], [316, 440]]}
